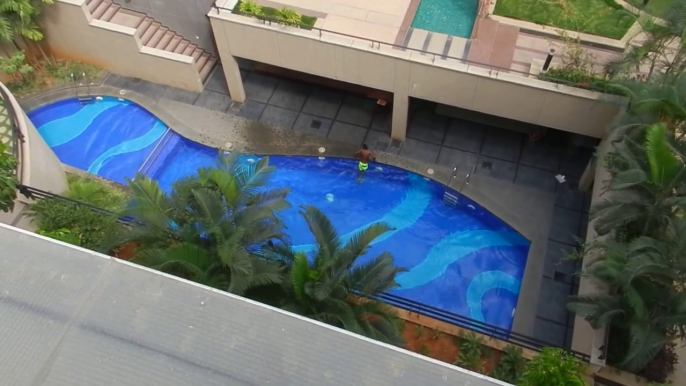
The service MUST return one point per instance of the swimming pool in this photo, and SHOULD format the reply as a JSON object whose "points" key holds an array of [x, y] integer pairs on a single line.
{"points": [[450, 17], [462, 259]]}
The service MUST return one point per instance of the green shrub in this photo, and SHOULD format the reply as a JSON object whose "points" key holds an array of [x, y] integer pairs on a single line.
{"points": [[289, 17], [471, 350], [250, 7], [511, 365], [553, 367], [8, 179], [83, 226], [580, 79], [16, 66]]}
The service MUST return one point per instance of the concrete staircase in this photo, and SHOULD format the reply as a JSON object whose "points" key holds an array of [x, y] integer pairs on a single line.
{"points": [[444, 46], [152, 34]]}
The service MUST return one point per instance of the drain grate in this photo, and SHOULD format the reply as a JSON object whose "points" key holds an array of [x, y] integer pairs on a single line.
{"points": [[316, 124], [558, 276]]}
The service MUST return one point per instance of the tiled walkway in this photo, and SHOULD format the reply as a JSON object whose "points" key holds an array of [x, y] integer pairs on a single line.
{"points": [[432, 138]]}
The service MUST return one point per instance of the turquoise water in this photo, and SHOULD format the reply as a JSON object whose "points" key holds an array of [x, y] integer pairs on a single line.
{"points": [[450, 17]]}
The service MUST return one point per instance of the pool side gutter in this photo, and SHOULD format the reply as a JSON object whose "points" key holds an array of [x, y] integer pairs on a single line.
{"points": [[526, 210]]}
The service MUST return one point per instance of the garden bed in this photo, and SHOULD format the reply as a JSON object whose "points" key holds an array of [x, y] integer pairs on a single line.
{"points": [[272, 14], [50, 74], [596, 17]]}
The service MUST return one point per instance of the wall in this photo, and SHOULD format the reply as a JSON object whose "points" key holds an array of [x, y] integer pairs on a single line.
{"points": [[71, 33], [187, 17], [39, 167], [410, 73]]}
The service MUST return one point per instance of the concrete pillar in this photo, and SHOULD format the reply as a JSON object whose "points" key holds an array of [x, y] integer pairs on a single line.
{"points": [[401, 105], [229, 64], [233, 79]]}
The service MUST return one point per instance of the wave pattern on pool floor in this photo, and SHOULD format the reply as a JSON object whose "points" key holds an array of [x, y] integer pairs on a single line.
{"points": [[110, 137]]}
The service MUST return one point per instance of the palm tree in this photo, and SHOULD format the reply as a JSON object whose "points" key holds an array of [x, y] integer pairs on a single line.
{"points": [[18, 18], [645, 296], [330, 287], [211, 228], [646, 186]]}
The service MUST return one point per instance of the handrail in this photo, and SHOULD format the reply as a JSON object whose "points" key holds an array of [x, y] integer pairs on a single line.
{"points": [[377, 44], [394, 300], [17, 135]]}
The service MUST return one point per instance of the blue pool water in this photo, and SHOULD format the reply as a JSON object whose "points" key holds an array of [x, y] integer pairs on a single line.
{"points": [[450, 17], [461, 260]]}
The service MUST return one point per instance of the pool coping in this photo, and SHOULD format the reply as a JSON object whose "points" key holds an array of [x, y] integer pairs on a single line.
{"points": [[261, 139]]}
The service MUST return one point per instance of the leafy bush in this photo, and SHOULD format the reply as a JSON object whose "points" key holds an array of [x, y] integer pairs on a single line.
{"points": [[511, 365], [16, 66], [553, 367], [250, 7], [8, 179], [581, 79], [471, 350], [83, 226], [662, 365], [289, 17]]}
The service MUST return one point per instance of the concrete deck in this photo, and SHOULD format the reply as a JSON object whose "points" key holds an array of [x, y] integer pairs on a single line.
{"points": [[514, 180]]}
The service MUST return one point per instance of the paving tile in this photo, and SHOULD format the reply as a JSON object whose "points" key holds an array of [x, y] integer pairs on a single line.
{"points": [[279, 117], [348, 133], [552, 301], [574, 160], [496, 168], [427, 126], [382, 121], [151, 90], [290, 95], [217, 81], [536, 178], [379, 141], [503, 144], [323, 102], [542, 155], [420, 151], [179, 95], [213, 101], [465, 135], [465, 161], [311, 124], [259, 87], [249, 109], [565, 226], [549, 332], [356, 110], [554, 256], [567, 195]]}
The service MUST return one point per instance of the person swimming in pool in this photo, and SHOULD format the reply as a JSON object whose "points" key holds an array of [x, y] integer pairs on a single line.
{"points": [[364, 155]]}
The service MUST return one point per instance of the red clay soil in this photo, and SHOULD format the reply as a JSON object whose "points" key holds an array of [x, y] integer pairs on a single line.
{"points": [[441, 346], [126, 252]]}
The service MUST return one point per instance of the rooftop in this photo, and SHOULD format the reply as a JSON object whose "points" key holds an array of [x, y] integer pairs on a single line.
{"points": [[76, 317]]}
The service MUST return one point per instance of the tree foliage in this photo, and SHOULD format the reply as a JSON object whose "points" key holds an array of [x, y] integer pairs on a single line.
{"points": [[18, 19]]}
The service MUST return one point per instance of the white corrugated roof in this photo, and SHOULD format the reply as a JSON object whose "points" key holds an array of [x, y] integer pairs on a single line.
{"points": [[72, 317]]}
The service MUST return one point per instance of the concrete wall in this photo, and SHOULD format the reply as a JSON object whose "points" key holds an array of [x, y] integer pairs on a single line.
{"points": [[70, 32], [187, 17], [412, 74], [39, 167]]}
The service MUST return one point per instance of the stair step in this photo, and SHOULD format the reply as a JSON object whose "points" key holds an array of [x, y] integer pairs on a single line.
{"points": [[93, 4], [182, 46], [111, 11], [197, 54], [102, 8], [149, 32], [165, 40], [202, 60], [189, 49], [207, 68], [171, 46], [145, 24], [157, 37]]}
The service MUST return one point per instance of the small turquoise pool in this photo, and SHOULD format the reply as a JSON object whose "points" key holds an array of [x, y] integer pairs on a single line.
{"points": [[450, 17], [461, 260]]}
